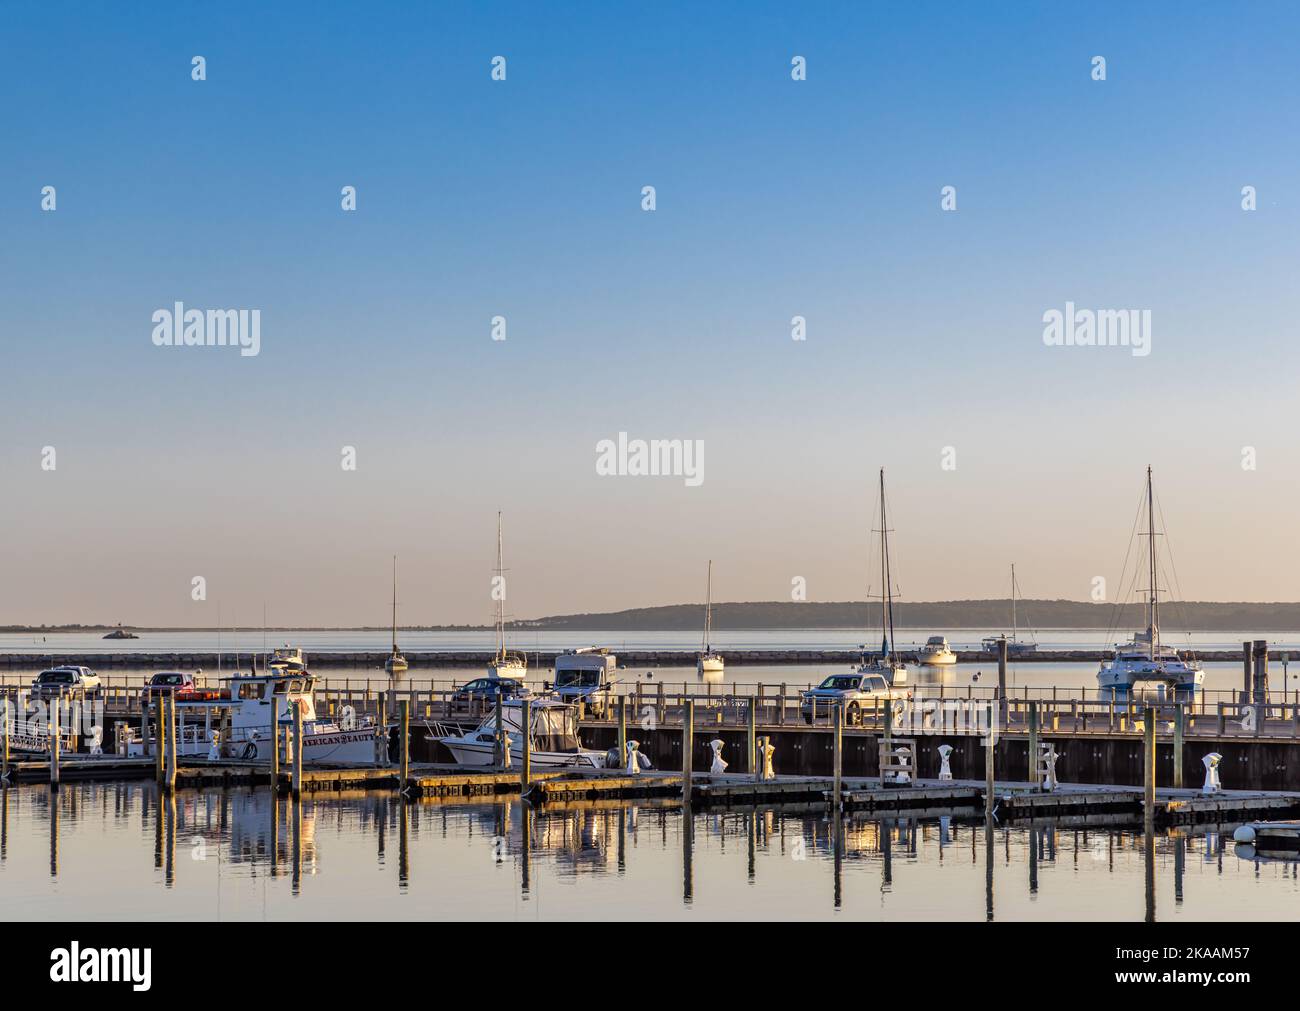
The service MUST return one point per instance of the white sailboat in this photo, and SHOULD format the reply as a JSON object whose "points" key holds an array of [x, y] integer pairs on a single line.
{"points": [[396, 664], [503, 664], [1144, 660], [1014, 646], [886, 664], [709, 666]]}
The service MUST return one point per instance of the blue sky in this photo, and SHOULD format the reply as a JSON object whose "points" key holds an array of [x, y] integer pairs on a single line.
{"points": [[522, 198]]}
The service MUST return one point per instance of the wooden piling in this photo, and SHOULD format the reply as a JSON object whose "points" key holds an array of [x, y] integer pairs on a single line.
{"points": [[1260, 696], [499, 738], [1033, 745], [275, 752], [622, 730], [172, 749], [404, 741], [54, 744], [6, 709], [1002, 678], [1180, 725], [751, 739], [526, 753], [1248, 676], [990, 742], [159, 739], [297, 750], [839, 755], [1149, 767], [688, 749]]}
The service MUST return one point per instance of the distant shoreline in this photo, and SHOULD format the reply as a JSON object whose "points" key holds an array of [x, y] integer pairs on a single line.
{"points": [[955, 615]]}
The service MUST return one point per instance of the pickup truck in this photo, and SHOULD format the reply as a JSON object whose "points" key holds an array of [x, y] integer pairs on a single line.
{"points": [[857, 691], [66, 680]]}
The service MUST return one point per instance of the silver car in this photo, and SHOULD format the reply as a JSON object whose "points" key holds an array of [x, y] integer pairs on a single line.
{"points": [[856, 691]]}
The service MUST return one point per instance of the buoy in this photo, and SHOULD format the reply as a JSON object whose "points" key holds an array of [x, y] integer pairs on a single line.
{"points": [[1211, 763], [719, 763], [1244, 834], [945, 772]]}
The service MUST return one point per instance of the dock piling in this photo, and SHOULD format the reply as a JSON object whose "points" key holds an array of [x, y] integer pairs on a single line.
{"points": [[751, 737], [1149, 767], [404, 762], [172, 749], [688, 750], [499, 737], [839, 755], [1032, 760], [526, 754], [622, 730], [54, 744], [297, 750], [158, 736], [990, 742], [1180, 724]]}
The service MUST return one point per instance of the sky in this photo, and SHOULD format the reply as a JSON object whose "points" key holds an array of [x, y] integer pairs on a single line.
{"points": [[523, 198]]}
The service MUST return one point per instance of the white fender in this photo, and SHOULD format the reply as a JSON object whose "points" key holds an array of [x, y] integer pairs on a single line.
{"points": [[719, 763]]}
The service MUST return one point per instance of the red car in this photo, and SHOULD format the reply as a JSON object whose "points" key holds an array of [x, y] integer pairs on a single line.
{"points": [[167, 683]]}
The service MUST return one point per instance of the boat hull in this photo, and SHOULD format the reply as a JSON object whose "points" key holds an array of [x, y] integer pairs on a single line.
{"points": [[480, 754]]}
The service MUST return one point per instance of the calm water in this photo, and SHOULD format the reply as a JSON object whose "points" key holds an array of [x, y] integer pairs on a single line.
{"points": [[254, 640], [109, 852]]}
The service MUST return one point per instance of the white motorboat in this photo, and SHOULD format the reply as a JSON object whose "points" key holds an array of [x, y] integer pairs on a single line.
{"points": [[1015, 648], [709, 666], [396, 664], [886, 663], [257, 702], [287, 659], [503, 664], [936, 653], [1144, 662], [553, 735]]}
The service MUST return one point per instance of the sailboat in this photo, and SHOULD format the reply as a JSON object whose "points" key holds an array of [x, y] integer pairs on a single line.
{"points": [[887, 664], [1144, 660], [709, 666], [1014, 646], [503, 663], [396, 664]]}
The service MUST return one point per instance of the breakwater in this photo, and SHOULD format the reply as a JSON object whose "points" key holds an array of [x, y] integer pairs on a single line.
{"points": [[542, 659]]}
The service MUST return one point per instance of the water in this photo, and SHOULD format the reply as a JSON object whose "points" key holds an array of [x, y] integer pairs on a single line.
{"points": [[98, 852], [345, 640]]}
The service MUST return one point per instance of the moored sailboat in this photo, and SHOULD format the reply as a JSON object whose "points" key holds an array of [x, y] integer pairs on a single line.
{"points": [[887, 663], [1015, 647], [709, 666], [503, 664], [1144, 661], [396, 664]]}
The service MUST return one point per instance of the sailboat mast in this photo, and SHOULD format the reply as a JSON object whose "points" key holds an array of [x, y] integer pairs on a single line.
{"points": [[887, 600], [394, 605], [708, 606], [501, 619], [1013, 602], [1153, 628]]}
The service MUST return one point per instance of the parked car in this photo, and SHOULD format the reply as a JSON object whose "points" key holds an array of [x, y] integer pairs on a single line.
{"points": [[68, 680], [168, 683], [485, 689], [855, 691]]}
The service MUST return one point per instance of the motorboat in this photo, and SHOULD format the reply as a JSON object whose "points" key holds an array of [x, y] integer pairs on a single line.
{"points": [[936, 653], [553, 737], [287, 659]]}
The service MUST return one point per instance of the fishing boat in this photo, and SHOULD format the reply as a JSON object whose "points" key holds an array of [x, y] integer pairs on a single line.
{"points": [[121, 633], [504, 664], [396, 664], [936, 653], [886, 664], [287, 659], [709, 666], [1144, 661], [553, 737], [1015, 647]]}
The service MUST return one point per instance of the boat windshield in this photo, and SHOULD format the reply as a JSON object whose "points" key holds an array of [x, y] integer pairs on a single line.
{"points": [[577, 679], [555, 729], [840, 682]]}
